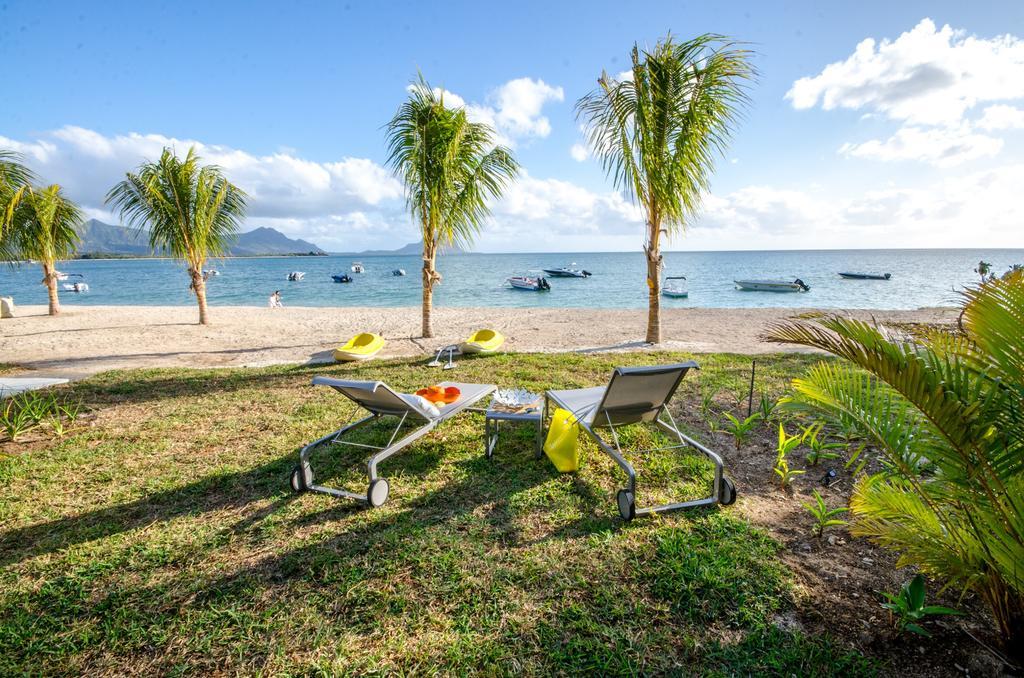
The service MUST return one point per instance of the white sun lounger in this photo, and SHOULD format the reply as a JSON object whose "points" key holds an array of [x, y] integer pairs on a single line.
{"points": [[639, 395], [380, 401]]}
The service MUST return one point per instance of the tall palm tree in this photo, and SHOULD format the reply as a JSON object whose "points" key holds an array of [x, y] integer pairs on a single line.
{"points": [[15, 179], [947, 416], [657, 132], [190, 210], [44, 226], [451, 168]]}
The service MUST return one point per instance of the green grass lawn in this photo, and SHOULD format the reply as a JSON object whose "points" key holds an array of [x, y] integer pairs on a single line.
{"points": [[164, 538]]}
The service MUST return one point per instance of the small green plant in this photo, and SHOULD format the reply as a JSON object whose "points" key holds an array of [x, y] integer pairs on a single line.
{"points": [[64, 416], [767, 406], [707, 401], [787, 444], [740, 396], [856, 462], [713, 426], [824, 516], [907, 609], [819, 447], [739, 429], [17, 416]]}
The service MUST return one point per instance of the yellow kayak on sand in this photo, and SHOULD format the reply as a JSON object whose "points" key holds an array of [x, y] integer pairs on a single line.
{"points": [[482, 341], [360, 347]]}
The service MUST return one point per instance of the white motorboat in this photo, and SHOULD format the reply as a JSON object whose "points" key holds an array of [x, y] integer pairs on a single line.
{"points": [[797, 285], [358, 267], [76, 287], [296, 276], [866, 276], [210, 272], [569, 271], [525, 282], [398, 272], [64, 276], [675, 286]]}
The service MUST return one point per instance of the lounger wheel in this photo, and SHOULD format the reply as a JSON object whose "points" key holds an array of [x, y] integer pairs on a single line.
{"points": [[727, 493], [377, 493], [627, 505], [299, 481]]}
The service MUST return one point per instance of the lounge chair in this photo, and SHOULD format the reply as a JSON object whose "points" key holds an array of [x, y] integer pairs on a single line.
{"points": [[381, 401], [639, 395]]}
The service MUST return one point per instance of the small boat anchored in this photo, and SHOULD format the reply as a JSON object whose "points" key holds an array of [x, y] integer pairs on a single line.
{"points": [[357, 267], [525, 282], [569, 271], [796, 285], [296, 276], [64, 276], [398, 272], [343, 278], [675, 286], [866, 276], [76, 287]]}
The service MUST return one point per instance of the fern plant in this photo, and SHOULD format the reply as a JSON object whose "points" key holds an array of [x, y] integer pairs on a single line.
{"points": [[946, 415]]}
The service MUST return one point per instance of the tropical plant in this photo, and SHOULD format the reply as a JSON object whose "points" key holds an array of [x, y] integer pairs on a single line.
{"points": [[44, 226], [946, 414], [767, 406], [657, 130], [907, 609], [707, 401], [818, 445], [787, 444], [190, 210], [14, 181], [739, 429], [451, 168], [824, 516]]}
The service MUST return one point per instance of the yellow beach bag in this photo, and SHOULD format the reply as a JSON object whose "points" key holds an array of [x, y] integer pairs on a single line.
{"points": [[562, 444]]}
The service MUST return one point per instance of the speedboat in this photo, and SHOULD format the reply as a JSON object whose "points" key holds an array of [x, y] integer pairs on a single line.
{"points": [[797, 285], [64, 276], [398, 272], [296, 276], [525, 282], [675, 286], [343, 278], [866, 276], [567, 272], [76, 287], [211, 272], [358, 267]]}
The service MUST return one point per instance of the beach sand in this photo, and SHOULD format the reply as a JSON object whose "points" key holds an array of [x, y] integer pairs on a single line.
{"points": [[84, 340]]}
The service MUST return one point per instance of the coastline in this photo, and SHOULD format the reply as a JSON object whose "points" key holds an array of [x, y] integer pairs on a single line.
{"points": [[84, 340]]}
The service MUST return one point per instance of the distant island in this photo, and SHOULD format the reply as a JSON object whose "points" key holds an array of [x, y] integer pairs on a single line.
{"points": [[107, 241], [413, 248]]}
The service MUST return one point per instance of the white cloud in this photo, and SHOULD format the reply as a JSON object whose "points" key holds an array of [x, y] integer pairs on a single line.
{"points": [[926, 76], [940, 146], [579, 152], [513, 110], [1002, 116]]}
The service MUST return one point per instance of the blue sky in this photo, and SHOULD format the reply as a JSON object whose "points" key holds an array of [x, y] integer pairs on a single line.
{"points": [[290, 98]]}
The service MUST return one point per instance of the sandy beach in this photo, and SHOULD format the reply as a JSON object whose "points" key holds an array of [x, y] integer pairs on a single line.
{"points": [[84, 340]]}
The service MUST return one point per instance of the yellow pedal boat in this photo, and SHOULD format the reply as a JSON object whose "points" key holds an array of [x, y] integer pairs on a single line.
{"points": [[483, 341], [360, 347]]}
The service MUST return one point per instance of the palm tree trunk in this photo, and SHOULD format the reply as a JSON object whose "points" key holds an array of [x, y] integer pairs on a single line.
{"points": [[199, 287], [50, 280], [653, 253], [429, 277]]}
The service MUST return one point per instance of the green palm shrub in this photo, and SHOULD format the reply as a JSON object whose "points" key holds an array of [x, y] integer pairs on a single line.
{"points": [[947, 416]]}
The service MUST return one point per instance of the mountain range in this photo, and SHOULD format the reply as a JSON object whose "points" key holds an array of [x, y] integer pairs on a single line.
{"points": [[100, 239]]}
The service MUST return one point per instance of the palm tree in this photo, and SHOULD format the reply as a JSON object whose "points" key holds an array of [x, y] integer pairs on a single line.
{"points": [[451, 168], [947, 415], [191, 211], [657, 132], [44, 226], [14, 181]]}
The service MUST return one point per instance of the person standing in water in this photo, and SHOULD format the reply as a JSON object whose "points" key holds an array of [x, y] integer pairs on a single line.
{"points": [[275, 300]]}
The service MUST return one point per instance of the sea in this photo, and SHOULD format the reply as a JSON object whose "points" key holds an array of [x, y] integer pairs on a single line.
{"points": [[920, 278]]}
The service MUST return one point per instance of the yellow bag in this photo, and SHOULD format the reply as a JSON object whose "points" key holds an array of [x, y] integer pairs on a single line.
{"points": [[561, 445]]}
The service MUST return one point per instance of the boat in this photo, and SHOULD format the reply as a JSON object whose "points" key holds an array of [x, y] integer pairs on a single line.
{"points": [[296, 276], [76, 287], [64, 276], [343, 278], [866, 276], [675, 286], [363, 346], [567, 272], [525, 282], [483, 342], [797, 285], [398, 272], [210, 272], [358, 267]]}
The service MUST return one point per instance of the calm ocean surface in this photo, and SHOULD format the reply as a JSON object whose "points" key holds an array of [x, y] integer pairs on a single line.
{"points": [[919, 278]]}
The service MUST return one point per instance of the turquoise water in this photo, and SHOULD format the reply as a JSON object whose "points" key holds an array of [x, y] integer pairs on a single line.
{"points": [[919, 278]]}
